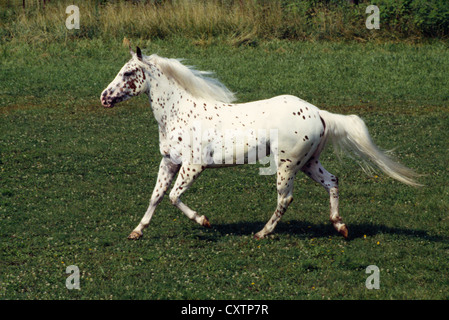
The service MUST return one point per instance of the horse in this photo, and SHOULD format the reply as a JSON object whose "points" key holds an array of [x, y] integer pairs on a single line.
{"points": [[185, 101]]}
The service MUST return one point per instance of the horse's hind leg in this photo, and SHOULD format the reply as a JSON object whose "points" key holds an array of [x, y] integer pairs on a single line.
{"points": [[285, 179], [315, 170]]}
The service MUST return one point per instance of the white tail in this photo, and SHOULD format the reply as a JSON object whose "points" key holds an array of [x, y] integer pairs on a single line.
{"points": [[350, 132]]}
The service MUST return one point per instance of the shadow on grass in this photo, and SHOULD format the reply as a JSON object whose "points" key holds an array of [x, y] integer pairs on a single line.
{"points": [[306, 230]]}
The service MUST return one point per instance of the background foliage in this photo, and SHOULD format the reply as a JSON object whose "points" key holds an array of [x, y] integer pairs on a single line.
{"points": [[237, 21]]}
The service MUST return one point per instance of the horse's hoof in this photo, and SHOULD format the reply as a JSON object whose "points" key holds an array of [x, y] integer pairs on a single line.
{"points": [[135, 235], [206, 222], [344, 231], [259, 236]]}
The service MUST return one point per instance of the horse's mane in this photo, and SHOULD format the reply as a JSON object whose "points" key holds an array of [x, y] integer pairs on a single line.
{"points": [[196, 82]]}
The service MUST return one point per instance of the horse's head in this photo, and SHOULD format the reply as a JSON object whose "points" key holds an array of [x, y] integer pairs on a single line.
{"points": [[129, 82]]}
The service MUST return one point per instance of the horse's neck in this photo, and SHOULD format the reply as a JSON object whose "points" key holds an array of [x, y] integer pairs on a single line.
{"points": [[165, 98]]}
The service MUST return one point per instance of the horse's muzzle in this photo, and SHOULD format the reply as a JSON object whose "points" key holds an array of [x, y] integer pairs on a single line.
{"points": [[107, 105], [106, 100]]}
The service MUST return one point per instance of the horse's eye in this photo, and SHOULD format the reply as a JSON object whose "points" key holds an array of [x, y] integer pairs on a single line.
{"points": [[128, 74]]}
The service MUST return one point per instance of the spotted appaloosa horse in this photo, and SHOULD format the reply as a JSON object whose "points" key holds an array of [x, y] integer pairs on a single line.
{"points": [[185, 101]]}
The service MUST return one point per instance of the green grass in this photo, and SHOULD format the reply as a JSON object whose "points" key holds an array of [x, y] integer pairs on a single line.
{"points": [[76, 179]]}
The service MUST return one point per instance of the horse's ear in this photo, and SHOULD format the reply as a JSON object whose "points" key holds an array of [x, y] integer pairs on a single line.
{"points": [[139, 53], [131, 51]]}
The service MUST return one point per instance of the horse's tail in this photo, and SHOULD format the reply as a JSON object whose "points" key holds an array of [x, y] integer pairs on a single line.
{"points": [[350, 132]]}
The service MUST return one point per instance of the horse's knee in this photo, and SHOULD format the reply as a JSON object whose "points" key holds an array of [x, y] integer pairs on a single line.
{"points": [[174, 198], [285, 201], [288, 200], [333, 181]]}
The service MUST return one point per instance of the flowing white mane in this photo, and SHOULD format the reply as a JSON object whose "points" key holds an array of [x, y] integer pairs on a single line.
{"points": [[196, 82]]}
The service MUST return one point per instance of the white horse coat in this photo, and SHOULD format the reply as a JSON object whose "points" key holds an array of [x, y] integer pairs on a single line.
{"points": [[201, 127]]}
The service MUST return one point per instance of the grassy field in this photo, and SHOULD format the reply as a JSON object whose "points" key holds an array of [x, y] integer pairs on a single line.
{"points": [[76, 178]]}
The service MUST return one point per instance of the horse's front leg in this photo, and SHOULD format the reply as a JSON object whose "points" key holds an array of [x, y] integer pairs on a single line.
{"points": [[167, 170], [187, 174]]}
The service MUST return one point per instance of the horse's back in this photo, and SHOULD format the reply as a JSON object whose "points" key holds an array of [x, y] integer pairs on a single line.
{"points": [[290, 115], [294, 123]]}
